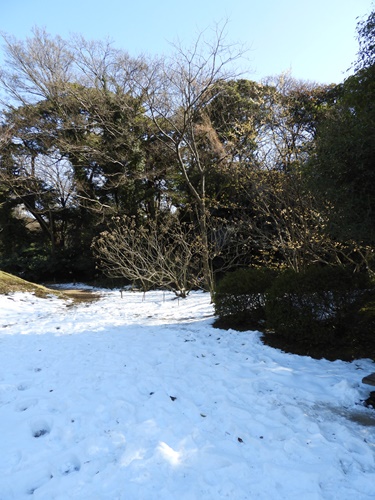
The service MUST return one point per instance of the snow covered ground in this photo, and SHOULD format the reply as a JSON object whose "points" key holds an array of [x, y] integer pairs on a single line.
{"points": [[125, 399]]}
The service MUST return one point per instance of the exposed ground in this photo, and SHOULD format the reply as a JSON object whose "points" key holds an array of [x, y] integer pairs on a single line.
{"points": [[79, 294], [10, 284]]}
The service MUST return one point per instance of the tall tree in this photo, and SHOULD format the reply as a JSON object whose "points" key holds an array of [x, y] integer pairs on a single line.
{"points": [[366, 41], [178, 92], [343, 168], [285, 226], [74, 134]]}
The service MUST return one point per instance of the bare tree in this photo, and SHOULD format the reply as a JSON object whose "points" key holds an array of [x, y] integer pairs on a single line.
{"points": [[38, 68], [178, 92], [157, 253], [285, 226], [290, 229], [291, 109]]}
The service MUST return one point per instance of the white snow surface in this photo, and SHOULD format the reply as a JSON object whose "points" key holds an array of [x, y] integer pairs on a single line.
{"points": [[131, 399]]}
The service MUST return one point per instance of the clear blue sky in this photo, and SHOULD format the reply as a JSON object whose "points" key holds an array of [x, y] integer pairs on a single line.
{"points": [[315, 39]]}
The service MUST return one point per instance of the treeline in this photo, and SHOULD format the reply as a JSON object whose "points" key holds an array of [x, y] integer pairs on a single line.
{"points": [[172, 171]]}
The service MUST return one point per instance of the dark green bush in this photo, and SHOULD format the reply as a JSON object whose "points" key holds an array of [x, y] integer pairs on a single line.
{"points": [[362, 331], [240, 297], [36, 263], [316, 306]]}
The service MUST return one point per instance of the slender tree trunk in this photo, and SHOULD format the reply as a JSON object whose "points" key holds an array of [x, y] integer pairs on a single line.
{"points": [[206, 258]]}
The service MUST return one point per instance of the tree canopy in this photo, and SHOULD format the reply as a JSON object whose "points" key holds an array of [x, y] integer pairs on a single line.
{"points": [[180, 163]]}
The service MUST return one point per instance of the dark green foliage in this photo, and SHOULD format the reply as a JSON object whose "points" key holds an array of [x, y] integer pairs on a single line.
{"points": [[240, 297], [36, 263], [363, 326], [342, 170], [318, 305], [366, 40], [279, 173]]}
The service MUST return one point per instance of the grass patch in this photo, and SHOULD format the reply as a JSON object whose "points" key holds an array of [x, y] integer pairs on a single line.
{"points": [[11, 284]]}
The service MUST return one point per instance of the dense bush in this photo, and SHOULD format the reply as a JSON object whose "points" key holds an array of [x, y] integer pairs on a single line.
{"points": [[318, 306], [240, 298], [363, 327], [35, 263]]}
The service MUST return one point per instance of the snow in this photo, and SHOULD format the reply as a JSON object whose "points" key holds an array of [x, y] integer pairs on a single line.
{"points": [[125, 398]]}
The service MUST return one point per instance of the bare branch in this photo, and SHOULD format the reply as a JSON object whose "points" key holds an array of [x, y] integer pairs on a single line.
{"points": [[163, 253]]}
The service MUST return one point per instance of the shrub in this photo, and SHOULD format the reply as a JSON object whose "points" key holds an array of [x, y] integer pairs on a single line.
{"points": [[362, 326], [240, 297], [316, 306]]}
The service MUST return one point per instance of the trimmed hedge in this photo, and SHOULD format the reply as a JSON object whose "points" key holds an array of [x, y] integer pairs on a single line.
{"points": [[317, 306], [240, 297]]}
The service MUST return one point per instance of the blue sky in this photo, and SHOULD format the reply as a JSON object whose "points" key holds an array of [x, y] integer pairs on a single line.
{"points": [[313, 39]]}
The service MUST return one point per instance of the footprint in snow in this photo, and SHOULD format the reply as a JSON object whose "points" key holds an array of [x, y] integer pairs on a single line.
{"points": [[69, 465], [40, 428], [38, 482], [25, 405], [23, 386]]}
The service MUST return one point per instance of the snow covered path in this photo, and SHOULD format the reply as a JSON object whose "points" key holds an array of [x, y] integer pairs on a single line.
{"points": [[125, 399]]}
